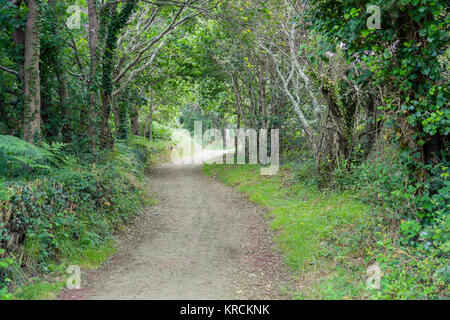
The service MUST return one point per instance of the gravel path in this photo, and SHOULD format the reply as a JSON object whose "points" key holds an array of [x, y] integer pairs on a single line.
{"points": [[201, 241]]}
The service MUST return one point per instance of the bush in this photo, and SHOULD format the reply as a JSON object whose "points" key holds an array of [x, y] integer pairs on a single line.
{"points": [[413, 236], [410, 234], [147, 152], [161, 132]]}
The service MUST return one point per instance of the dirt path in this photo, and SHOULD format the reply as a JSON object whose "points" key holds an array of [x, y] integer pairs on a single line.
{"points": [[201, 241]]}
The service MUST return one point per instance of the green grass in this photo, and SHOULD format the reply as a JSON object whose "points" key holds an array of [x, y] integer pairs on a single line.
{"points": [[40, 290], [320, 232], [92, 257], [48, 288]]}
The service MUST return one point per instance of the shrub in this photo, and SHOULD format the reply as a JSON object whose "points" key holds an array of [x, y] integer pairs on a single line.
{"points": [[161, 132], [412, 240]]}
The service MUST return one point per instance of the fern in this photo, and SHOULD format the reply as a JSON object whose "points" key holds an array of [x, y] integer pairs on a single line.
{"points": [[18, 157], [14, 145], [57, 155]]}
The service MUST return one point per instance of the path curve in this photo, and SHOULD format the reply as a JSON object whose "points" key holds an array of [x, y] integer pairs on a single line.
{"points": [[201, 241]]}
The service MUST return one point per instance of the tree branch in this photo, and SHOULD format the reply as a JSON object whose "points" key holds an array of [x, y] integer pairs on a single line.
{"points": [[14, 72]]}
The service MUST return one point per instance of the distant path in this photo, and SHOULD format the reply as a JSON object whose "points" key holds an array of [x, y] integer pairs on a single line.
{"points": [[202, 241]]}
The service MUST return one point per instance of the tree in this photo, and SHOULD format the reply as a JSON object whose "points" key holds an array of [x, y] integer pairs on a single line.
{"points": [[32, 123]]}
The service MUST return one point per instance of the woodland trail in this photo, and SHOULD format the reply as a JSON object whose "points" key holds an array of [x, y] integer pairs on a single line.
{"points": [[201, 241]]}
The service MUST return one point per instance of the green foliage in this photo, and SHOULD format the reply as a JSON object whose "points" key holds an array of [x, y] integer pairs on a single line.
{"points": [[43, 290], [412, 240], [72, 211], [407, 60], [86, 258], [161, 132], [409, 66], [18, 157], [319, 231], [63, 198], [58, 156], [124, 126], [117, 22], [149, 152], [334, 233], [4, 265]]}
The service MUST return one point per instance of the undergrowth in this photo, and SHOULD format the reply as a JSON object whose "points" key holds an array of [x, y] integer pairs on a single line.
{"points": [[63, 212], [332, 228]]}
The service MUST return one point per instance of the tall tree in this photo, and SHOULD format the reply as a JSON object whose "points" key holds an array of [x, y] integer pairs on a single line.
{"points": [[92, 84], [118, 21], [32, 123]]}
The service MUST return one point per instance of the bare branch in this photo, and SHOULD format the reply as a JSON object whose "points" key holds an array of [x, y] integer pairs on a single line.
{"points": [[14, 72]]}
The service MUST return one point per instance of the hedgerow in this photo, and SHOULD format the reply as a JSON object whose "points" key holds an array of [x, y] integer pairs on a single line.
{"points": [[73, 208]]}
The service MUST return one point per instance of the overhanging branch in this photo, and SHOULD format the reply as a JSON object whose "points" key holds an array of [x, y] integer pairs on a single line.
{"points": [[14, 72]]}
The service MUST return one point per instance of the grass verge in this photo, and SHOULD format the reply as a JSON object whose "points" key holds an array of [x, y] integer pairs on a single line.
{"points": [[49, 287]]}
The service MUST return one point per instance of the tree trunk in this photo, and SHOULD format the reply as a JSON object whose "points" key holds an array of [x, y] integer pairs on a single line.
{"points": [[238, 99], [64, 133], [253, 105], [117, 118], [338, 119], [118, 21], [134, 119], [273, 103], [32, 123], [235, 79], [92, 88], [65, 114], [105, 133], [372, 124], [262, 93], [124, 119], [18, 36], [150, 136]]}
